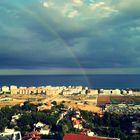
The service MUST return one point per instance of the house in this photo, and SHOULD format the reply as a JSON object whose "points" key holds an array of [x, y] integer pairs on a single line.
{"points": [[135, 127], [15, 118], [86, 131], [10, 134], [45, 106], [42, 128], [32, 135], [77, 122], [39, 125], [71, 136], [45, 130], [39, 129]]}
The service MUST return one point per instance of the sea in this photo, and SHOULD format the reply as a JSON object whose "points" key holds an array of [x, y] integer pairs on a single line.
{"points": [[92, 81]]}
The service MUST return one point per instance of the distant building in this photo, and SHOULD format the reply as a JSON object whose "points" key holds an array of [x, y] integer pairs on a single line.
{"points": [[22, 90], [110, 92], [5, 89], [47, 90], [13, 89], [124, 92], [74, 90], [83, 92], [130, 92], [92, 92]]}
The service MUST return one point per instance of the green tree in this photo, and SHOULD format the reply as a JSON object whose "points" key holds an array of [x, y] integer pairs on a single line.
{"points": [[106, 119], [54, 103], [7, 112], [136, 137], [3, 122], [115, 120], [97, 120], [38, 116], [25, 123], [26, 106], [66, 126]]}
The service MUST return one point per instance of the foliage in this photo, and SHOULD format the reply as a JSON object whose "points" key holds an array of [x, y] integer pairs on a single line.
{"points": [[54, 103], [29, 107], [5, 116], [25, 123], [112, 125], [66, 126]]}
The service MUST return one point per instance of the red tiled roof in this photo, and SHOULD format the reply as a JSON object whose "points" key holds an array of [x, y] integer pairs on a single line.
{"points": [[83, 137]]}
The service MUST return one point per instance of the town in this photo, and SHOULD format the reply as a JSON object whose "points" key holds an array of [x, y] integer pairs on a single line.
{"points": [[73, 112]]}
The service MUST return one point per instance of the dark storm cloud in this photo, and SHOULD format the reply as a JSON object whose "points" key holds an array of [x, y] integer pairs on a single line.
{"points": [[52, 34]]}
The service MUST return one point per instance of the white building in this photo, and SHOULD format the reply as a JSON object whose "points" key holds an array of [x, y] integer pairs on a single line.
{"points": [[110, 92], [90, 133], [13, 89], [15, 118], [44, 129], [5, 89], [92, 92], [10, 134], [83, 92]]}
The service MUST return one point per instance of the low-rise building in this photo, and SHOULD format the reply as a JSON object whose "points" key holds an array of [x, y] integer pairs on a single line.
{"points": [[92, 92], [15, 118], [13, 89], [42, 128], [10, 134], [5, 89], [47, 105], [110, 92]]}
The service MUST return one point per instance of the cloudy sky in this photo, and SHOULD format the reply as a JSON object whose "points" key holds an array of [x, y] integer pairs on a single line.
{"points": [[69, 36]]}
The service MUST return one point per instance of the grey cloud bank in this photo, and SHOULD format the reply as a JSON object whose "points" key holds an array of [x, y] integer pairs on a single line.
{"points": [[51, 34]]}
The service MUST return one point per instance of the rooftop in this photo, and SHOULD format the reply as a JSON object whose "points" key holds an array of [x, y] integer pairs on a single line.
{"points": [[72, 136]]}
